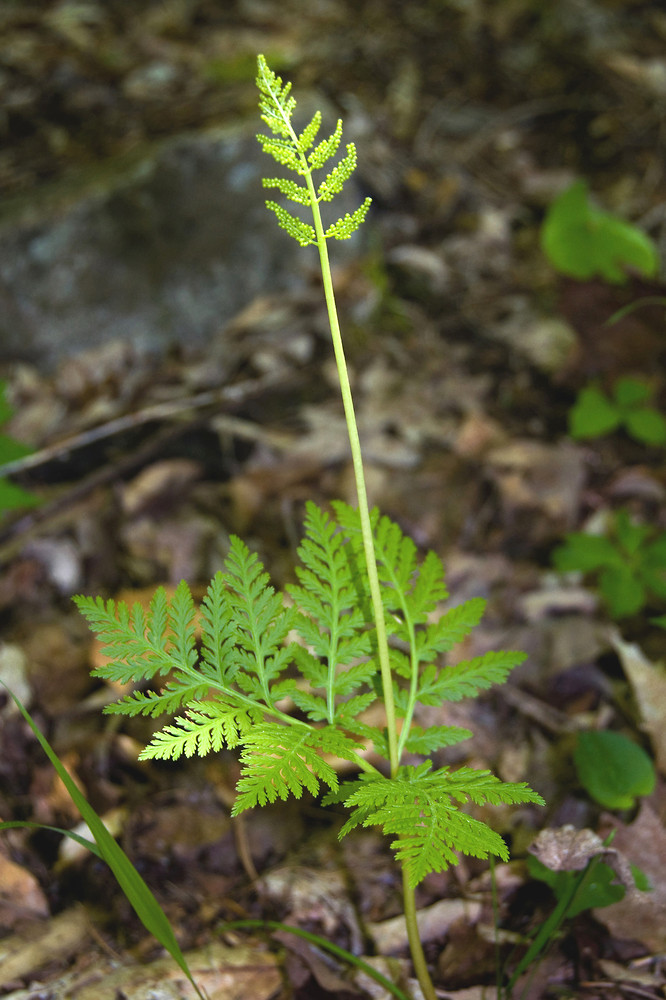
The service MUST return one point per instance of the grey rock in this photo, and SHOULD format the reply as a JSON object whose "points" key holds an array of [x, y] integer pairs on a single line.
{"points": [[165, 250]]}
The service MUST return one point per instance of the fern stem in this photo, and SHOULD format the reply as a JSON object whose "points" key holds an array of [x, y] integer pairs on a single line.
{"points": [[416, 949], [354, 441], [409, 899], [413, 689], [414, 938], [359, 476]]}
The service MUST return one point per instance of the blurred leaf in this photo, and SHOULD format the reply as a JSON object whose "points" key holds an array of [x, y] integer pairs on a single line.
{"points": [[584, 242], [11, 449], [630, 534], [583, 553], [13, 497], [593, 414], [631, 391], [646, 425], [613, 769], [631, 568], [622, 591]]}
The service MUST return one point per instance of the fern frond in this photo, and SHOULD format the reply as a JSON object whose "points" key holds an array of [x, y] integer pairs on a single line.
{"points": [[313, 705], [334, 182], [427, 741], [182, 690], [139, 647], [331, 624], [429, 845], [156, 627], [371, 735], [283, 152], [453, 626], [466, 679], [353, 677], [294, 152], [207, 726], [290, 189], [348, 224], [276, 103], [310, 667], [428, 588], [281, 760], [419, 810], [218, 635], [396, 554], [469, 784], [301, 231], [309, 133], [409, 588], [326, 148], [182, 624], [346, 711], [261, 621]]}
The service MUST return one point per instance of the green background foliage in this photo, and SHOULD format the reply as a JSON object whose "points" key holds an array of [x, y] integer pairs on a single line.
{"points": [[584, 242]]}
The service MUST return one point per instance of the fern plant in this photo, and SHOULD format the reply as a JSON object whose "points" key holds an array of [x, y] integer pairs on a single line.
{"points": [[287, 679]]}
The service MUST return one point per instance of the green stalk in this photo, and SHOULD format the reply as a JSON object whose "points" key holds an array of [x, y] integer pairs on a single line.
{"points": [[409, 898], [414, 938], [359, 476], [413, 687], [357, 459]]}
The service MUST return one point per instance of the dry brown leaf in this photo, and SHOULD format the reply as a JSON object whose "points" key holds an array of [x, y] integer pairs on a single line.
{"points": [[244, 970], [20, 895], [641, 916], [434, 921], [163, 483], [539, 476], [648, 683], [41, 944], [566, 849], [316, 895]]}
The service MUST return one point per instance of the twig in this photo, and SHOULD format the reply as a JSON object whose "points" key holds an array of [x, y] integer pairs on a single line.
{"points": [[229, 396]]}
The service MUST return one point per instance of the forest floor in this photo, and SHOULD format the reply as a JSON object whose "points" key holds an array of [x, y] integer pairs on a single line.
{"points": [[467, 353]]}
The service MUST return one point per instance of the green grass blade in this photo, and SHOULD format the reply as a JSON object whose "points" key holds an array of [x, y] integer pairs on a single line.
{"points": [[89, 845], [146, 907]]}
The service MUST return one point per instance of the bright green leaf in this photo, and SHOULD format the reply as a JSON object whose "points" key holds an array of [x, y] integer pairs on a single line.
{"points": [[622, 591], [584, 553], [613, 769], [646, 425], [593, 414], [584, 242], [13, 497], [630, 392]]}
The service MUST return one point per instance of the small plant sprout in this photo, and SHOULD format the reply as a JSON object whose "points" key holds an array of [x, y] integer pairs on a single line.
{"points": [[361, 625], [613, 769], [584, 242], [629, 407], [629, 563], [12, 497]]}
